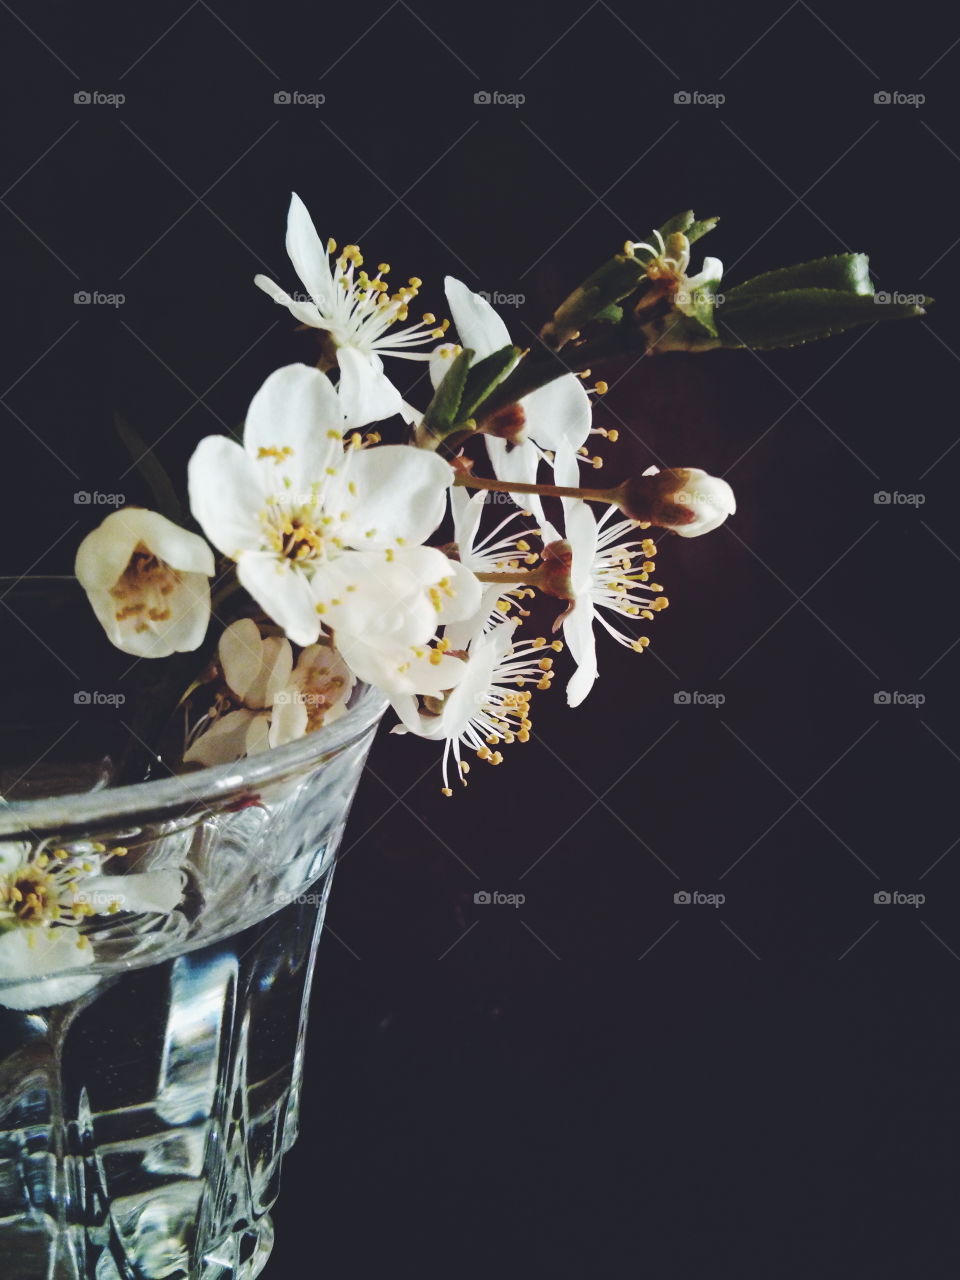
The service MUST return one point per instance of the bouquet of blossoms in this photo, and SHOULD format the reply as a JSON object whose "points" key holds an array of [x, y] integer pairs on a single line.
{"points": [[327, 529], [352, 539]]}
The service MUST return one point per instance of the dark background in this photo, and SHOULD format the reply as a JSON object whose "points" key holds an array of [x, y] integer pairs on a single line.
{"points": [[600, 1080]]}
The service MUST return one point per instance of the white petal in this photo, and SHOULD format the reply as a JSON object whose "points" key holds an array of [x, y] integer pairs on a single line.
{"points": [[402, 671], [306, 312], [363, 593], [441, 358], [294, 414], [366, 393], [105, 552], [559, 413], [148, 891], [282, 592], [400, 496], [466, 510], [477, 324], [224, 742], [240, 654], [181, 631], [254, 668], [517, 463], [13, 853], [288, 717], [578, 633], [308, 254], [461, 595], [226, 495], [32, 952]]}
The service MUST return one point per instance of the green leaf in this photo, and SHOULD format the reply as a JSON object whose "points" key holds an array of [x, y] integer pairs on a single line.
{"points": [[152, 471], [444, 409], [701, 306], [612, 314], [767, 320], [484, 376], [697, 230], [848, 272], [679, 222]]}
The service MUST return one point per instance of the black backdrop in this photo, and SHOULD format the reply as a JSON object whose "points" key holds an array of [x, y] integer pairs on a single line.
{"points": [[603, 1079]]}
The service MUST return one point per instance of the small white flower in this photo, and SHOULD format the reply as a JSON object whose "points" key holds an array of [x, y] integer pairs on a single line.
{"points": [[278, 702], [553, 417], [46, 897], [684, 499], [490, 705], [324, 535], [610, 573], [148, 582], [669, 265], [357, 311]]}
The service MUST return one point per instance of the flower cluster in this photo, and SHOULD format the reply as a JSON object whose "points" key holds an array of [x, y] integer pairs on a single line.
{"points": [[327, 529], [51, 899], [357, 560]]}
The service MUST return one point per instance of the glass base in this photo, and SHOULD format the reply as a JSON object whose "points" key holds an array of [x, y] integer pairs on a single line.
{"points": [[144, 1137]]}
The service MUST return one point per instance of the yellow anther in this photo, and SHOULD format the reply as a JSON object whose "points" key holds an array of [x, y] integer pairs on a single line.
{"points": [[429, 318], [545, 664], [445, 791], [613, 435], [601, 387], [383, 268], [331, 245]]}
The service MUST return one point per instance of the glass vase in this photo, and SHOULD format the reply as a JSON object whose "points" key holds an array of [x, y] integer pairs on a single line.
{"points": [[150, 1074]]}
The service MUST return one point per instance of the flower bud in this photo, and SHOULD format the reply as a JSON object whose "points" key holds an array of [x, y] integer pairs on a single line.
{"points": [[684, 499], [553, 574]]}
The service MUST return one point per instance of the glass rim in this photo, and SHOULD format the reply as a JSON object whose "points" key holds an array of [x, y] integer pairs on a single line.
{"points": [[190, 793]]}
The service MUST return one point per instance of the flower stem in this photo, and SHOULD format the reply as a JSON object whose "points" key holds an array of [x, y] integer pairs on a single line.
{"points": [[545, 490]]}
